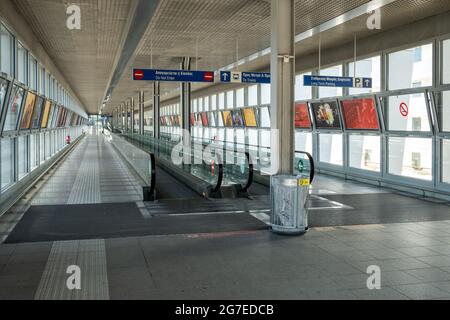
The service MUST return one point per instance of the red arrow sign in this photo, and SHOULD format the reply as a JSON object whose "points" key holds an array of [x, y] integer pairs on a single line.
{"points": [[138, 75], [404, 110]]}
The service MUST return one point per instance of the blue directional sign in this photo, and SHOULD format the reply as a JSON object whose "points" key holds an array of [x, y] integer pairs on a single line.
{"points": [[172, 75], [244, 77], [338, 82]]}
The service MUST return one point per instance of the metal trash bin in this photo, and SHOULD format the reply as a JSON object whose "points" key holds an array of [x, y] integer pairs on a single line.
{"points": [[289, 196]]}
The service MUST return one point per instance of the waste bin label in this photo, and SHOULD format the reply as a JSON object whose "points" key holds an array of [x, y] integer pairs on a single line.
{"points": [[303, 182]]}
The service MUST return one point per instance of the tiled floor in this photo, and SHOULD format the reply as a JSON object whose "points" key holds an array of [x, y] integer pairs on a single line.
{"points": [[327, 263], [93, 173]]}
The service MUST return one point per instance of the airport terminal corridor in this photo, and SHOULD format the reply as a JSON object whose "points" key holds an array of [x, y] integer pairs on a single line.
{"points": [[260, 150]]}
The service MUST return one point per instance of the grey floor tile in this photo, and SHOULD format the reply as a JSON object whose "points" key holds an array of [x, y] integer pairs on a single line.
{"points": [[417, 252], [436, 261], [424, 291], [384, 293]]}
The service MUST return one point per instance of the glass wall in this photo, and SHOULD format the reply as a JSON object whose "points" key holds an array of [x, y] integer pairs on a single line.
{"points": [[411, 68], [22, 64], [445, 161], [327, 92], [410, 157], [366, 68], [331, 149], [6, 51], [365, 152], [7, 164], [445, 60], [23, 155], [443, 110]]}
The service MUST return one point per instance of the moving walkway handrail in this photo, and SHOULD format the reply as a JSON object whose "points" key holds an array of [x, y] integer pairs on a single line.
{"points": [[311, 165], [153, 173], [250, 173], [220, 177]]}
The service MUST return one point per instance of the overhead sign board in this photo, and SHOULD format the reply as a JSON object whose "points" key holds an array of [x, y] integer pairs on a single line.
{"points": [[245, 77], [338, 82], [172, 75]]}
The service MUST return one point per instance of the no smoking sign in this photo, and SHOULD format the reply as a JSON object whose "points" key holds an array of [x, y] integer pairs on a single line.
{"points": [[404, 110]]}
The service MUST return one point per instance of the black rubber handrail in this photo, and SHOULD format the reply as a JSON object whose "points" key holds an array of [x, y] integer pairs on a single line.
{"points": [[220, 178], [250, 173], [153, 174], [311, 165]]}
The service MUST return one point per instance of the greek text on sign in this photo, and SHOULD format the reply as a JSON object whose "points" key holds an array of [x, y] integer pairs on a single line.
{"points": [[245, 77], [337, 82], [172, 75]]}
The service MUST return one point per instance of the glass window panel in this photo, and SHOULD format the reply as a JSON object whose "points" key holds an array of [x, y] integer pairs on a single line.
{"points": [[253, 95], [446, 61], [240, 98], [230, 99], [15, 104], [23, 156], [410, 157], [22, 62], [302, 92], [214, 102], [407, 113], [264, 138], [7, 164], [265, 94], [445, 161], [330, 147], [364, 152], [443, 110], [240, 137], [206, 104], [366, 68], [265, 117], [303, 142], [221, 100], [34, 156], [252, 137], [326, 92], [407, 67], [7, 52]]}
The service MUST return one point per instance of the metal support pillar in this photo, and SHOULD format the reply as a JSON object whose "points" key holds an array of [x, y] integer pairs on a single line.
{"points": [[132, 114], [156, 109], [141, 112], [283, 82], [185, 104]]}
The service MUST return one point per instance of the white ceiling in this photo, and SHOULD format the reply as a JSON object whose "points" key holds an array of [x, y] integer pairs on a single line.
{"points": [[216, 31]]}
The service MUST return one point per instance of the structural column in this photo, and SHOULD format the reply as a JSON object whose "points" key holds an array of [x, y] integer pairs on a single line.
{"points": [[156, 109], [185, 104], [283, 82], [132, 114], [141, 112]]}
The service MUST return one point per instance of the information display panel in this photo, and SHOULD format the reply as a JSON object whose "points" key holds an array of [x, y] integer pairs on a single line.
{"points": [[4, 86], [360, 114], [326, 115], [227, 119], [38, 108], [27, 113], [302, 120], [13, 109], [204, 117], [250, 117], [46, 114], [238, 119]]}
